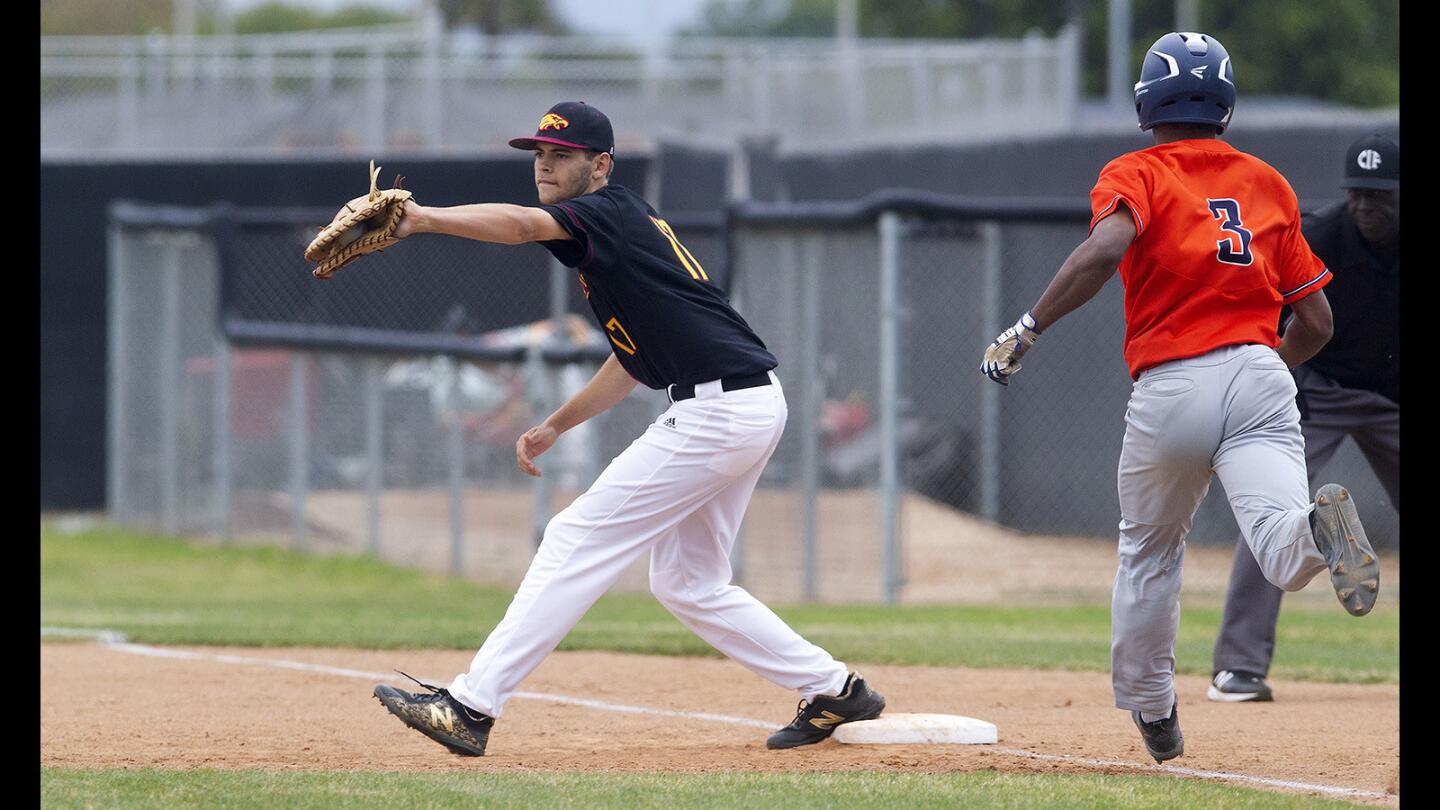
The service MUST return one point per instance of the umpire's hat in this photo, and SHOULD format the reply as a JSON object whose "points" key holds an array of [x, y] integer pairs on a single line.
{"points": [[1372, 162], [574, 124]]}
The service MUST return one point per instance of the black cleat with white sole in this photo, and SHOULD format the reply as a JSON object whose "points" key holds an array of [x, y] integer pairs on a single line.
{"points": [[815, 720], [1239, 687]]}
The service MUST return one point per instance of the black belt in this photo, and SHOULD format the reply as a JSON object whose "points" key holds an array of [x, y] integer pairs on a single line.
{"points": [[737, 383]]}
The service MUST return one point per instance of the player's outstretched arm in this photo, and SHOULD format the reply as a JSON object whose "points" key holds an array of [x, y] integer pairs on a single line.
{"points": [[1308, 332], [1082, 275], [610, 384], [1087, 269], [501, 223]]}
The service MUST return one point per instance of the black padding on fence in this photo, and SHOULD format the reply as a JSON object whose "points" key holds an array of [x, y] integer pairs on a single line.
{"points": [[74, 197]]}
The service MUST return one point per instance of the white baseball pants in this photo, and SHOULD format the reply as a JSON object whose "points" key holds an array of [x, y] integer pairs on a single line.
{"points": [[1232, 413], [680, 492]]}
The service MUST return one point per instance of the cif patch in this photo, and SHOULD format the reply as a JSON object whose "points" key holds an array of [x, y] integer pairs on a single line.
{"points": [[553, 121]]}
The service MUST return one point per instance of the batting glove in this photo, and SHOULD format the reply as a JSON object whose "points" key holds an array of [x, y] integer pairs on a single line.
{"points": [[1003, 357]]}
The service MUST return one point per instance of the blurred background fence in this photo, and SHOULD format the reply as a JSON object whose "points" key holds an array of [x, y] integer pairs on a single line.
{"points": [[418, 87], [378, 412]]}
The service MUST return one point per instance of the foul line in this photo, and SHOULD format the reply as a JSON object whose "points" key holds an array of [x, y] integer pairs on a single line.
{"points": [[115, 641]]}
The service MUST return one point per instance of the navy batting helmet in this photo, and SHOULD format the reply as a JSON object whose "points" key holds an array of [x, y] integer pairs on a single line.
{"points": [[1186, 79]]}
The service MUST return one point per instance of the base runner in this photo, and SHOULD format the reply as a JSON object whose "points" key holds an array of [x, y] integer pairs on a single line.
{"points": [[1208, 244]]}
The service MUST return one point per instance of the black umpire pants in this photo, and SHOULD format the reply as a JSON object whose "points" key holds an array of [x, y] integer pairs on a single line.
{"points": [[1329, 413]]}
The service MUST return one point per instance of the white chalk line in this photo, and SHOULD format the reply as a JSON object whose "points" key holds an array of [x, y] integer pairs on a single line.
{"points": [[116, 641]]}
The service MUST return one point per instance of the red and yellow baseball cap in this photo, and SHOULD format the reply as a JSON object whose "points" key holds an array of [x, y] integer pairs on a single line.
{"points": [[574, 124]]}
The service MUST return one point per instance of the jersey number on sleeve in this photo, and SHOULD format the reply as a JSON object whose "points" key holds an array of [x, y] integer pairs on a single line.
{"points": [[1228, 212], [687, 259]]}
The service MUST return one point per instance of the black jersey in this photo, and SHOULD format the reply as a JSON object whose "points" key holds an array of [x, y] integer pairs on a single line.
{"points": [[1364, 351], [666, 321]]}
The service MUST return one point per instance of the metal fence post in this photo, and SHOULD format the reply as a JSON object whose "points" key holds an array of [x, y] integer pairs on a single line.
{"points": [[432, 111], [373, 117], [457, 471], [129, 101], [299, 451], [810, 400], [990, 236], [890, 234], [549, 392], [168, 394], [224, 478], [264, 71], [1067, 73], [1117, 55], [117, 462], [374, 451]]}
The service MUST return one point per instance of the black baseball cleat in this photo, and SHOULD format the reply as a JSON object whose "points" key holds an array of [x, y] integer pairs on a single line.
{"points": [[1239, 687], [1354, 569], [440, 717], [815, 720], [1162, 737]]}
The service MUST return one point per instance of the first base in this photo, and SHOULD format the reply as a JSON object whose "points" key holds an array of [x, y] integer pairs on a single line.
{"points": [[900, 729]]}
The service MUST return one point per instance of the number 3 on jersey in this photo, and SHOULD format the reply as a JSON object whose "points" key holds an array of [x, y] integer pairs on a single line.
{"points": [[1228, 212], [687, 259]]}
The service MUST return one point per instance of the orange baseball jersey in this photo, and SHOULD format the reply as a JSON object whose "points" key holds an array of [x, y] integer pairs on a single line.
{"points": [[1217, 249]]}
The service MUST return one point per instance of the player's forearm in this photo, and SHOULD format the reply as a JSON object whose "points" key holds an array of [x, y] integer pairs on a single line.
{"points": [[1080, 279], [501, 223], [610, 384], [1300, 344], [1086, 269], [1309, 331]]}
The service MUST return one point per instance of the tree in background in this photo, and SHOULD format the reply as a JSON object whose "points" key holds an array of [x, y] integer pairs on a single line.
{"points": [[1339, 50], [122, 17], [502, 16], [277, 17], [104, 17], [134, 17]]}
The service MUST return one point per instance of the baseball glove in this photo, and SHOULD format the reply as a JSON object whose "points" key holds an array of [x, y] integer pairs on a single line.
{"points": [[365, 225]]}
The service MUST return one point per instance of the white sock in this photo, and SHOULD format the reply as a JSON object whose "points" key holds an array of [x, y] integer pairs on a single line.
{"points": [[1153, 718]]}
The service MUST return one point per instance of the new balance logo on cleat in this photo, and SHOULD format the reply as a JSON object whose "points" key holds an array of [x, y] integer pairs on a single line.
{"points": [[440, 717], [670, 423], [815, 720]]}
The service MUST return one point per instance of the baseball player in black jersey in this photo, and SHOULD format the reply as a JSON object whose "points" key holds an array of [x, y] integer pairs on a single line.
{"points": [[679, 491]]}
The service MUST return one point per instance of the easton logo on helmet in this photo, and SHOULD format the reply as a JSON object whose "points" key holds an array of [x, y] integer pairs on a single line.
{"points": [[553, 121], [1178, 85]]}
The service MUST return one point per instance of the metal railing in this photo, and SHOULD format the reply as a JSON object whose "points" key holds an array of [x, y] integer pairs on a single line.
{"points": [[420, 88]]}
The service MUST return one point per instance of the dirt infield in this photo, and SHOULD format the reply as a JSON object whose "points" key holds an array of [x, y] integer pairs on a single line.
{"points": [[219, 710]]}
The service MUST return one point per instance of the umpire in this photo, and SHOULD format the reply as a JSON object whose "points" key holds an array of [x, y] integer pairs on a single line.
{"points": [[1351, 388]]}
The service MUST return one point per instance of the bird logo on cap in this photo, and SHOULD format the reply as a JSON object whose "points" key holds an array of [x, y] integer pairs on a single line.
{"points": [[553, 121]]}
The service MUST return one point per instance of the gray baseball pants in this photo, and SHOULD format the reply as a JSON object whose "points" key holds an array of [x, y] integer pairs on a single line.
{"points": [[1246, 642], [1230, 413]]}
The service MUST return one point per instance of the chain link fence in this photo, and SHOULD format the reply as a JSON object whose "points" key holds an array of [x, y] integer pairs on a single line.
{"points": [[417, 87], [377, 412]]}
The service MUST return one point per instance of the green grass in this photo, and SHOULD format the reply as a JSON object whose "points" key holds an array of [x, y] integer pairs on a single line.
{"points": [[151, 788], [167, 591]]}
